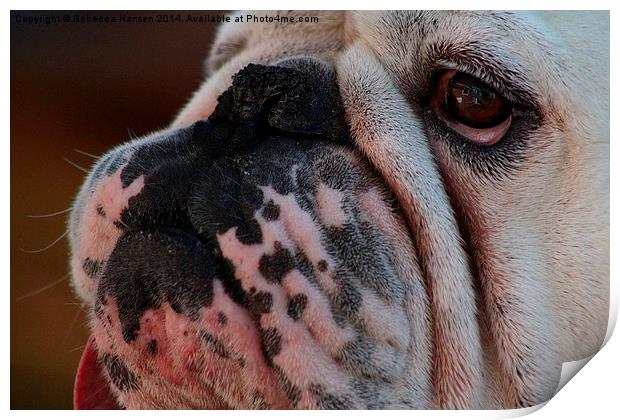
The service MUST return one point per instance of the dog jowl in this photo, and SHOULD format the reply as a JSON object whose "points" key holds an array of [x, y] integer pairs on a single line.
{"points": [[307, 235]]}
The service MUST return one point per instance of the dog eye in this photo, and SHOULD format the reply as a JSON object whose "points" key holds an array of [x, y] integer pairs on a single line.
{"points": [[472, 108]]}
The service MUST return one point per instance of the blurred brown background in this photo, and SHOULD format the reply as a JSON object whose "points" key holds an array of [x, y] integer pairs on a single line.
{"points": [[76, 86]]}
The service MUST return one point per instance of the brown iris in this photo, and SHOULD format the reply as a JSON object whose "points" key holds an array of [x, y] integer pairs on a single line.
{"points": [[474, 103], [471, 108]]}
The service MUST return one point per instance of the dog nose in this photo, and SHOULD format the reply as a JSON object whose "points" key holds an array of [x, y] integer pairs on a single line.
{"points": [[296, 97]]}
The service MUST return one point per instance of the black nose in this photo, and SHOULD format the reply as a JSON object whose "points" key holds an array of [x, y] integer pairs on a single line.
{"points": [[297, 97]]}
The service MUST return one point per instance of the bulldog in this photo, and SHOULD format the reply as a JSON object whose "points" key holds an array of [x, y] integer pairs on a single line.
{"points": [[379, 210]]}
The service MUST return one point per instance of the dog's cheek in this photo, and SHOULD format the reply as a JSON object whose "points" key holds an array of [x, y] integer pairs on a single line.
{"points": [[510, 255]]}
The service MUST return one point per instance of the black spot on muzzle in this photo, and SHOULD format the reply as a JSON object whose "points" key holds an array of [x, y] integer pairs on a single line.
{"points": [[151, 267]]}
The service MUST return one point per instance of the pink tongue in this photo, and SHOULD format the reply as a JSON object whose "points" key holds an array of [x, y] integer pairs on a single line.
{"points": [[91, 390]]}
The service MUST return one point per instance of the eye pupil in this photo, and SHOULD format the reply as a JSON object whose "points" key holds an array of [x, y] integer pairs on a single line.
{"points": [[474, 103]]}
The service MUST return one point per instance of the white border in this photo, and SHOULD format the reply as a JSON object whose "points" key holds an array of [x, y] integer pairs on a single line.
{"points": [[592, 395]]}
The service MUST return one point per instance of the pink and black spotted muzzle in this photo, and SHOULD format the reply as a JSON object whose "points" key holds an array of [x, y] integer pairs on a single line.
{"points": [[252, 260]]}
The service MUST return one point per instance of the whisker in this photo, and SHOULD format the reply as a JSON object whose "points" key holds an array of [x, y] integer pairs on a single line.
{"points": [[80, 307], [36, 251], [123, 224], [43, 289], [75, 165], [92, 395], [78, 304], [56, 213], [71, 326], [83, 346], [86, 154], [132, 135]]}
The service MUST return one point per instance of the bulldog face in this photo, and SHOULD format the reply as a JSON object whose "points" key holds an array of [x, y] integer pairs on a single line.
{"points": [[381, 210]]}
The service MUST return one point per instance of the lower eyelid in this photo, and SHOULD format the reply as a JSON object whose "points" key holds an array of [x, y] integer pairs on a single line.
{"points": [[482, 137]]}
